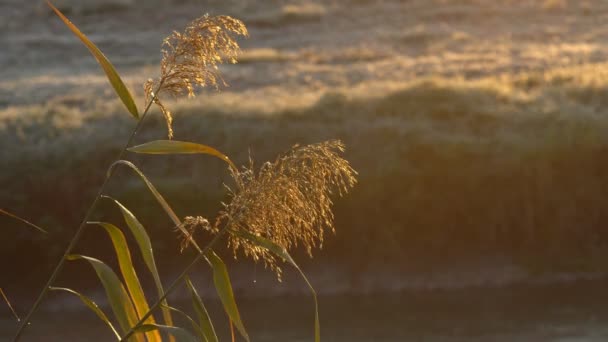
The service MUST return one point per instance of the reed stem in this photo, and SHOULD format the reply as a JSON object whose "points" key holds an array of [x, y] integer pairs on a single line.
{"points": [[80, 229]]}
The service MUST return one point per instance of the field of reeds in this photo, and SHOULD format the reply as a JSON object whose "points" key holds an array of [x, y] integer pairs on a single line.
{"points": [[512, 166], [480, 138]]}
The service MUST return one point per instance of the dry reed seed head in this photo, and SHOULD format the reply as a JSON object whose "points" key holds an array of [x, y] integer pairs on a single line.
{"points": [[287, 201], [188, 227], [190, 59]]}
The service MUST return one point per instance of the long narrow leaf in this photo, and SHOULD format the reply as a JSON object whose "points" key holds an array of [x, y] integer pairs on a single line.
{"points": [[8, 303], [108, 68], [179, 147], [115, 291], [130, 276], [4, 212], [223, 287], [155, 193], [203, 316], [92, 305], [161, 200], [197, 328], [283, 254], [147, 253], [180, 335]]}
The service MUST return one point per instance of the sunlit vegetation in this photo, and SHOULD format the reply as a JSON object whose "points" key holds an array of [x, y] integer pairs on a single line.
{"points": [[269, 210]]}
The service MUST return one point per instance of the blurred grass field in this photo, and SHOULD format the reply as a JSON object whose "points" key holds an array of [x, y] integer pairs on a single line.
{"points": [[512, 167], [478, 128]]}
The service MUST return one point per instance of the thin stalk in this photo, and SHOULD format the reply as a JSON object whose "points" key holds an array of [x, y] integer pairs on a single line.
{"points": [[176, 282], [80, 229]]}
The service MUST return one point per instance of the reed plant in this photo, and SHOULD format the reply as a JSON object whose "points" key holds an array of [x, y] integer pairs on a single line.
{"points": [[271, 210]]}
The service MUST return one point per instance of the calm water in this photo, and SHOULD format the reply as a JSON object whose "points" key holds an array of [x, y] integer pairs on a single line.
{"points": [[565, 312]]}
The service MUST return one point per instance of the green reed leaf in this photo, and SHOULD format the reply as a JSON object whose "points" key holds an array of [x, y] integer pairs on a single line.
{"points": [[145, 246], [4, 212], [179, 147], [197, 328], [152, 188], [92, 305], [203, 317], [223, 286], [108, 68], [283, 254], [180, 334], [119, 299], [129, 275]]}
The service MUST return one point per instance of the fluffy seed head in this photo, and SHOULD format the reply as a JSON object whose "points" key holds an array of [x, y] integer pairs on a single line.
{"points": [[188, 228], [191, 58], [287, 201]]}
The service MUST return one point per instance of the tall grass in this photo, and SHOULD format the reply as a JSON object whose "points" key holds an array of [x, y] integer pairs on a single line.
{"points": [[270, 211], [509, 165]]}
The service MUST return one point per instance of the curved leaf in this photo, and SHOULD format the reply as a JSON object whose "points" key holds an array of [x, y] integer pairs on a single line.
{"points": [[179, 147], [8, 303], [197, 328], [4, 212], [115, 291], [161, 200], [145, 247], [203, 317], [181, 335], [128, 272], [92, 305], [224, 290], [155, 193], [108, 68], [283, 254]]}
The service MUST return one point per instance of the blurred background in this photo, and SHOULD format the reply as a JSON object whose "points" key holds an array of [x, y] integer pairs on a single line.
{"points": [[478, 128]]}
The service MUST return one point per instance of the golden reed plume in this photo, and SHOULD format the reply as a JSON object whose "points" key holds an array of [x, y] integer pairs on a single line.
{"points": [[191, 59], [287, 201]]}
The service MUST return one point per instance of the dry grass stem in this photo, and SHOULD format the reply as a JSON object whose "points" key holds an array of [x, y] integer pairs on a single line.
{"points": [[191, 58]]}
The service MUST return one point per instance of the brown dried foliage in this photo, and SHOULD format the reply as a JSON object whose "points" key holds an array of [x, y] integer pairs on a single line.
{"points": [[191, 58]]}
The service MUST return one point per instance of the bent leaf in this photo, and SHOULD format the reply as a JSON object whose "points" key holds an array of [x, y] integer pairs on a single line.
{"points": [[8, 303], [203, 316], [152, 188], [161, 200], [123, 255], [197, 328], [108, 68], [145, 247], [283, 254], [179, 147], [223, 287], [92, 305], [181, 335], [115, 291], [4, 212]]}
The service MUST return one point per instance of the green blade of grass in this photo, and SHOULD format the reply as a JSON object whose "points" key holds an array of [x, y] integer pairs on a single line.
{"points": [[4, 212], [179, 147], [145, 246], [119, 86], [136, 292], [283, 254], [203, 316], [152, 188], [223, 286], [197, 328], [115, 291], [180, 334], [92, 305]]}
